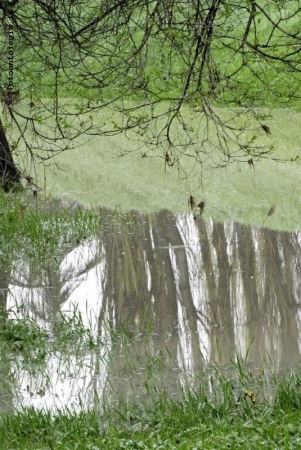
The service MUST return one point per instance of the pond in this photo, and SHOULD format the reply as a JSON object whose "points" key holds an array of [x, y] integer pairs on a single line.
{"points": [[148, 304]]}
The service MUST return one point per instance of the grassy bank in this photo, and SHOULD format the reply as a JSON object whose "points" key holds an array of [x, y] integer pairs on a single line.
{"points": [[194, 422]]}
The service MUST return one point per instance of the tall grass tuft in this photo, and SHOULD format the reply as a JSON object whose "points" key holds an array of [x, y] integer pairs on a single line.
{"points": [[288, 393]]}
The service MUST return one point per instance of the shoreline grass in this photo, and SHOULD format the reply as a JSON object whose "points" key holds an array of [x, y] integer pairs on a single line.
{"points": [[194, 421]]}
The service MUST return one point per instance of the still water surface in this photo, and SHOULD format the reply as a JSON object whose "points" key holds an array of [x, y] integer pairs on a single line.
{"points": [[186, 293]]}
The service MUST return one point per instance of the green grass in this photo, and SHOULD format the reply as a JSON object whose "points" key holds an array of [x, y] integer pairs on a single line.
{"points": [[21, 335], [194, 421], [26, 335], [38, 229], [169, 55], [25, 348]]}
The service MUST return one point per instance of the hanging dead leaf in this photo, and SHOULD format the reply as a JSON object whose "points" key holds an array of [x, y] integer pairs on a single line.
{"points": [[201, 205], [266, 129], [251, 164], [270, 212], [191, 202]]}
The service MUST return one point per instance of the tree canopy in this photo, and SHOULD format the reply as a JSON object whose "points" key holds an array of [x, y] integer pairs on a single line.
{"points": [[192, 78]]}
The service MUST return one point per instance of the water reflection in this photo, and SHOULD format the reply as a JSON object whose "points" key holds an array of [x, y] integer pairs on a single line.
{"points": [[192, 292]]}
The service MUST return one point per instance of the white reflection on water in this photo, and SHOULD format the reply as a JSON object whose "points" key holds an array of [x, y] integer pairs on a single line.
{"points": [[190, 235], [185, 357], [68, 387], [72, 380]]}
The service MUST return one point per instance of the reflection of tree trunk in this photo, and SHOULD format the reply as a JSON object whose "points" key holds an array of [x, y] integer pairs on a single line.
{"points": [[140, 290], [249, 297], [279, 294], [8, 170], [219, 306], [163, 280], [223, 300], [172, 235]]}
